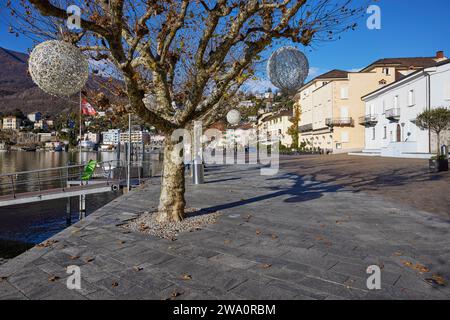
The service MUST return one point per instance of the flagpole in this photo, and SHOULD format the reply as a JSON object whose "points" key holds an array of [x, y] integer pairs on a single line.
{"points": [[79, 143]]}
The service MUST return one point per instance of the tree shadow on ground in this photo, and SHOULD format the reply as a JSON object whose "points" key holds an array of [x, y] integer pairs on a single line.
{"points": [[298, 191], [221, 180]]}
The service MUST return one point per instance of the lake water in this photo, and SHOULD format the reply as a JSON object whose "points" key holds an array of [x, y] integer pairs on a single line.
{"points": [[22, 226]]}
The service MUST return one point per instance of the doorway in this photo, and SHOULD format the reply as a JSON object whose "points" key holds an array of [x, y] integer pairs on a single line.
{"points": [[399, 133]]}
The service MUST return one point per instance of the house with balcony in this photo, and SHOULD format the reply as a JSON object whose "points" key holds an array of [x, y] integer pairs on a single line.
{"points": [[275, 126], [333, 116], [390, 113]]}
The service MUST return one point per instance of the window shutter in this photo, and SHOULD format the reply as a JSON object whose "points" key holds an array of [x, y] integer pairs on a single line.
{"points": [[344, 92], [344, 137], [447, 90]]}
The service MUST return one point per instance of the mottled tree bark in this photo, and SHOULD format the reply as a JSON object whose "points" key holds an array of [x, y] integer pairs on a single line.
{"points": [[171, 201]]}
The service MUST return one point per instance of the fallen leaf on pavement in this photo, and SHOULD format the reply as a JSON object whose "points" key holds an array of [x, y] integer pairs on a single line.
{"points": [[407, 263], [258, 232], [138, 268], [174, 294], [421, 268], [89, 259], [53, 278], [73, 257], [266, 266], [437, 279], [274, 236], [114, 284], [47, 244], [227, 241], [186, 277]]}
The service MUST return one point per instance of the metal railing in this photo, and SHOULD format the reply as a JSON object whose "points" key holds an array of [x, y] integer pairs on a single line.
{"points": [[56, 178], [368, 119], [305, 128], [393, 113], [339, 122]]}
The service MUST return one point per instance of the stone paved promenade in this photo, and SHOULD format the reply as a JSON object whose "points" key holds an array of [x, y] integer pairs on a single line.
{"points": [[279, 237]]}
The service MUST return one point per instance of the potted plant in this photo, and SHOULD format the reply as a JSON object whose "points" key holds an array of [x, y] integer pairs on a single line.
{"points": [[436, 120]]}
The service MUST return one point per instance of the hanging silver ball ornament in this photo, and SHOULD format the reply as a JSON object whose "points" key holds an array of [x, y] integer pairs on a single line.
{"points": [[233, 117], [58, 68], [288, 69]]}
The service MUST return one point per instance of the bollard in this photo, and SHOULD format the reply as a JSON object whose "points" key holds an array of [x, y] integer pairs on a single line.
{"points": [[198, 171], [68, 212], [82, 213]]}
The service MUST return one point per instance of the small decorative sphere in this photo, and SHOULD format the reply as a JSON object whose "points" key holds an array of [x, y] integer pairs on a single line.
{"points": [[287, 69], [233, 117], [58, 68]]}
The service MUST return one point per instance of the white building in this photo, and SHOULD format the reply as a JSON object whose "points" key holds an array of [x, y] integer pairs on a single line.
{"points": [[40, 125], [34, 116], [390, 128], [111, 137], [246, 104], [136, 137], [91, 136]]}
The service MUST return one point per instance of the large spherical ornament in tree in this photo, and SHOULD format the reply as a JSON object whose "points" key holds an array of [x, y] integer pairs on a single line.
{"points": [[58, 68], [233, 117], [287, 69]]}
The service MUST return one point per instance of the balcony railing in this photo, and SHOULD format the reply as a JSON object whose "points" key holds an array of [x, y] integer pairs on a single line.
{"points": [[369, 119], [305, 128], [393, 114], [340, 122]]}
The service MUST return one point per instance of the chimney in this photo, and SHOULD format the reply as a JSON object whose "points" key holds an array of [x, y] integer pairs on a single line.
{"points": [[440, 55]]}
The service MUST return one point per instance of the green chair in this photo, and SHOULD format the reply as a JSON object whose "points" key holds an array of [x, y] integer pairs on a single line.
{"points": [[89, 170]]}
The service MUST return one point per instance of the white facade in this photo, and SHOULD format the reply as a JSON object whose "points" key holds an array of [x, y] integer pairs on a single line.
{"points": [[390, 128], [40, 124], [111, 137], [34, 116], [91, 136], [136, 137]]}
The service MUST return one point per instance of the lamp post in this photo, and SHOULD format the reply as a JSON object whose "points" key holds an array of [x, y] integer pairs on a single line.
{"points": [[129, 154]]}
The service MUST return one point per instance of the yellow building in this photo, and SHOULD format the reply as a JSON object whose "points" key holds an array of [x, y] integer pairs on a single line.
{"points": [[277, 125], [11, 123], [332, 113]]}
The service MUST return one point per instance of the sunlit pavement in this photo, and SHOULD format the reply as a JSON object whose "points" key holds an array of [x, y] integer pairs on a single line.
{"points": [[279, 237]]}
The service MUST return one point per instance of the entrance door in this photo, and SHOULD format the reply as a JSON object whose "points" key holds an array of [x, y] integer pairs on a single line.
{"points": [[399, 133]]}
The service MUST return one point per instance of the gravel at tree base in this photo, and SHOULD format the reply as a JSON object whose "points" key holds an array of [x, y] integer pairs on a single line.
{"points": [[195, 220]]}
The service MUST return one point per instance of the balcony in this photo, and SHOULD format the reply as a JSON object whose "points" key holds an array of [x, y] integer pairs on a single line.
{"points": [[305, 128], [393, 114], [368, 120], [339, 122]]}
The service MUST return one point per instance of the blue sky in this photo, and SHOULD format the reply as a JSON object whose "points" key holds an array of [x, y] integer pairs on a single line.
{"points": [[408, 28]]}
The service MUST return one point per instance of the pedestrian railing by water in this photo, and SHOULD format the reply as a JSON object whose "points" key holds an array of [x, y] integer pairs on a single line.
{"points": [[56, 178]]}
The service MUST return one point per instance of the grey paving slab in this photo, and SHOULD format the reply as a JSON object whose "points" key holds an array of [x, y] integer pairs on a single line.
{"points": [[279, 237]]}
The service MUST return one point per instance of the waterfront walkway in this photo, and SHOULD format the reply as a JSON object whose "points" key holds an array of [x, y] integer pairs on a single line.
{"points": [[279, 237]]}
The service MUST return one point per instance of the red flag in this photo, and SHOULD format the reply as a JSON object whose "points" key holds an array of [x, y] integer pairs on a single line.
{"points": [[87, 108]]}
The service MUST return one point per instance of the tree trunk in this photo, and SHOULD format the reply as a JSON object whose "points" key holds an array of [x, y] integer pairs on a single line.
{"points": [[171, 201], [438, 139]]}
